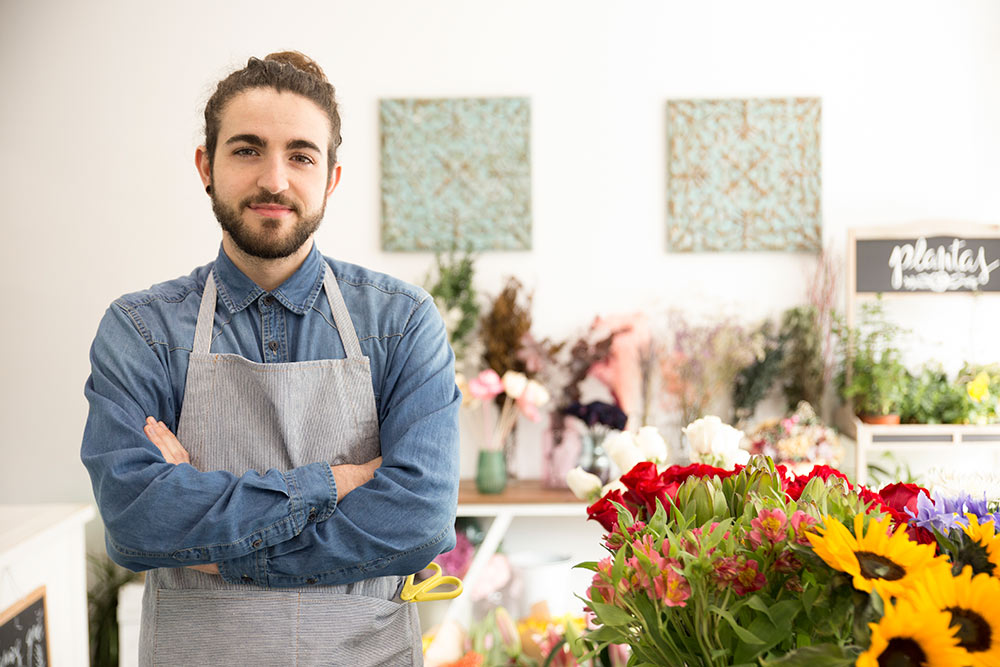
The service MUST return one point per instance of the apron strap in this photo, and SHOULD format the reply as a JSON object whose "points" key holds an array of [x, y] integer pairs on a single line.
{"points": [[348, 336], [206, 317], [342, 318]]}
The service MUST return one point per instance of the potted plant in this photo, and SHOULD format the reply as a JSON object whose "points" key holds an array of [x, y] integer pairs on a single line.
{"points": [[873, 375]]}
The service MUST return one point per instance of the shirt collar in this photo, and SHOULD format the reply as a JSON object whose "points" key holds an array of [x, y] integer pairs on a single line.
{"points": [[297, 294]]}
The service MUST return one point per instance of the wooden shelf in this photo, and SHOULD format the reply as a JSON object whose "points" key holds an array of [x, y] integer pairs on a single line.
{"points": [[518, 492]]}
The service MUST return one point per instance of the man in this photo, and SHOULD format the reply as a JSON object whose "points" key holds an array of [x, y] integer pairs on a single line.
{"points": [[314, 402]]}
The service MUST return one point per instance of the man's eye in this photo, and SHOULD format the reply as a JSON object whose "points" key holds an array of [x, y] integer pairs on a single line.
{"points": [[244, 151], [305, 159]]}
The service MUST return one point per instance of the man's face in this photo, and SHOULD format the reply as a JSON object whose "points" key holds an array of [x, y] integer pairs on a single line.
{"points": [[269, 178]]}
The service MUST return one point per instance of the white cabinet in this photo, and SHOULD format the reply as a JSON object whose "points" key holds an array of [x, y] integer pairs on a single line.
{"points": [[43, 545]]}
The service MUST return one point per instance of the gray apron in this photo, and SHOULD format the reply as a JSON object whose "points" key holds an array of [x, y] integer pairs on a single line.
{"points": [[239, 415]]}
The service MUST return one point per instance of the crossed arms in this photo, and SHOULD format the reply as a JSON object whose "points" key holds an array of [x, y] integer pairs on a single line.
{"points": [[312, 524]]}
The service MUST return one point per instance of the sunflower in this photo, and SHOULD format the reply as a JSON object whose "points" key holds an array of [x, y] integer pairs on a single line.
{"points": [[892, 561], [973, 601], [913, 636], [984, 534]]}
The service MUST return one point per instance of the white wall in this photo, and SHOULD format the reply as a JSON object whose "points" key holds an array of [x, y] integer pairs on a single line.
{"points": [[101, 114]]}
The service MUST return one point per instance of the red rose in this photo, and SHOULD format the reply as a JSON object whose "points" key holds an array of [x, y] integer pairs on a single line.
{"points": [[604, 512], [680, 473], [826, 472], [901, 497]]}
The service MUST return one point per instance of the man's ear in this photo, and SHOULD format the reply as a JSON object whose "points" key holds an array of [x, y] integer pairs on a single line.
{"points": [[201, 163], [334, 179]]}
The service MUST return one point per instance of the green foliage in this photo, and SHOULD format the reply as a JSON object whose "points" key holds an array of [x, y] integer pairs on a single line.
{"points": [[802, 365], [873, 374], [753, 383], [455, 297], [102, 601], [931, 398]]}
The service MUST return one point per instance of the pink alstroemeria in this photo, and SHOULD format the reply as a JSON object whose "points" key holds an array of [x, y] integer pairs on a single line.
{"points": [[602, 582], [486, 385], [787, 563], [725, 570], [748, 579], [802, 522], [771, 525], [672, 588]]}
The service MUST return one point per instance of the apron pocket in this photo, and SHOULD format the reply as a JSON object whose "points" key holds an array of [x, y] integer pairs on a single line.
{"points": [[219, 627], [356, 630]]}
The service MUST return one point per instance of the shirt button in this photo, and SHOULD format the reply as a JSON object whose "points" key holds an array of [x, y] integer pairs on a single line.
{"points": [[267, 300], [257, 543], [247, 577], [312, 513], [311, 580], [273, 345]]}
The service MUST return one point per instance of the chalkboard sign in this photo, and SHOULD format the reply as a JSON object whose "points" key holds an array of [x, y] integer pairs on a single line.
{"points": [[24, 640], [931, 264]]}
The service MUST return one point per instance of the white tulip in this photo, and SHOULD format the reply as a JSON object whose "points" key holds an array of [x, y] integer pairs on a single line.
{"points": [[514, 384], [709, 435], [583, 484], [651, 444], [535, 393], [623, 451]]}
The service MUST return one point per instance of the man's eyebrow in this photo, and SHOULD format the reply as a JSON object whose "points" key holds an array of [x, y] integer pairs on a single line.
{"points": [[302, 143], [251, 139]]}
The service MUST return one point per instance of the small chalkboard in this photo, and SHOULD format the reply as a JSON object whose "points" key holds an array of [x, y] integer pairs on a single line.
{"points": [[927, 264], [24, 638]]}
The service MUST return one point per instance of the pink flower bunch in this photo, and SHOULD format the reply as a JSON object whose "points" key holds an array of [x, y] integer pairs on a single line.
{"points": [[522, 396], [657, 573], [739, 572]]}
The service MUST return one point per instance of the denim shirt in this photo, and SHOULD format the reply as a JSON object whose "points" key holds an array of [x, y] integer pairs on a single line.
{"points": [[157, 514]]}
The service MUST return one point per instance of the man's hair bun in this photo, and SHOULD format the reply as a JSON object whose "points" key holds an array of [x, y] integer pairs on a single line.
{"points": [[298, 61]]}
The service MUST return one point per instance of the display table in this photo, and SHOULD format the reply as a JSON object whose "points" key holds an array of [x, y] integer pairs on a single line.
{"points": [[521, 498], [43, 546], [949, 440]]}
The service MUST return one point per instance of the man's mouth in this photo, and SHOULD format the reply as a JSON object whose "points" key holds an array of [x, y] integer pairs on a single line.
{"points": [[270, 210]]}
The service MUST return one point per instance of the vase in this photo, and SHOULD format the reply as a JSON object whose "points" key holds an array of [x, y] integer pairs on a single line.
{"points": [[491, 471], [593, 458]]}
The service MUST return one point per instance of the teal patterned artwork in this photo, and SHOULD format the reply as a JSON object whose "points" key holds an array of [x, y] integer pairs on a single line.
{"points": [[456, 173], [744, 174]]}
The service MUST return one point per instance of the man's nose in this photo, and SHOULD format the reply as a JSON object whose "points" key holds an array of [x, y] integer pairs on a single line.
{"points": [[273, 177]]}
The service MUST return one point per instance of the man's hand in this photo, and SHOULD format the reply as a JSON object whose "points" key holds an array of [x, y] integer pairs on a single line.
{"points": [[165, 441], [173, 452], [349, 476]]}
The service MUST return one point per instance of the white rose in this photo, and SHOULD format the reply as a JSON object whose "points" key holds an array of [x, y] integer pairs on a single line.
{"points": [[514, 384], [583, 484], [651, 444], [623, 451], [616, 485]]}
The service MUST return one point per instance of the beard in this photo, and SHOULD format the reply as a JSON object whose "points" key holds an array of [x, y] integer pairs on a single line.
{"points": [[267, 243]]}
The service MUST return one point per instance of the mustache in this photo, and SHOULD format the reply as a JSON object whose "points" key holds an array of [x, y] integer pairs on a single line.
{"points": [[265, 197]]}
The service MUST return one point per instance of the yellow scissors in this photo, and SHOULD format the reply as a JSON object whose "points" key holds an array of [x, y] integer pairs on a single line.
{"points": [[424, 590]]}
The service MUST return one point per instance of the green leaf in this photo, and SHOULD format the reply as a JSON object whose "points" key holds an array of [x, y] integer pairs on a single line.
{"points": [[744, 635], [821, 655], [609, 614]]}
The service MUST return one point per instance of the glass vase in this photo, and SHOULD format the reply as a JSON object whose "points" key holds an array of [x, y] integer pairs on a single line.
{"points": [[491, 471], [593, 458]]}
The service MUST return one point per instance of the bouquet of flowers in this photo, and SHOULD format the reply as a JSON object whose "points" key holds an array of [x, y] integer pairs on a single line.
{"points": [[799, 440], [520, 396], [755, 565]]}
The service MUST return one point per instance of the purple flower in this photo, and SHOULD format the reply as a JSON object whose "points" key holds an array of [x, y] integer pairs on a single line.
{"points": [[946, 513], [596, 413]]}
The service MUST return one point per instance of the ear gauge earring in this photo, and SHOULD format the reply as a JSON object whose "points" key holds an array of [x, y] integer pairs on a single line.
{"points": [[208, 189]]}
